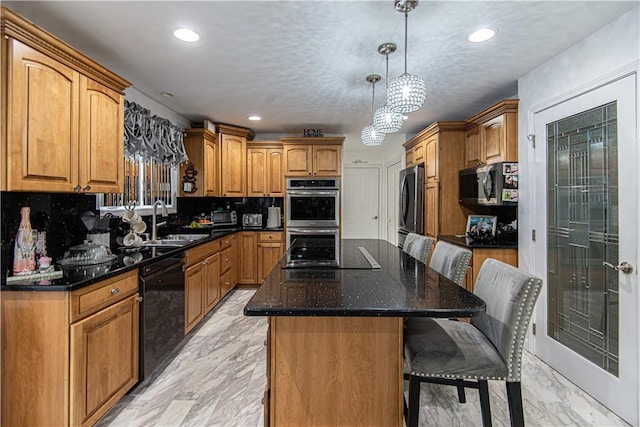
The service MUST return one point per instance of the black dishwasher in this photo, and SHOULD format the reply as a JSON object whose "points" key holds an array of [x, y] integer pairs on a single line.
{"points": [[162, 312]]}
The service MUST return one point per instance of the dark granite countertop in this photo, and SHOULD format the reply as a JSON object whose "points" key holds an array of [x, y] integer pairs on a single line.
{"points": [[402, 287], [468, 243], [126, 260]]}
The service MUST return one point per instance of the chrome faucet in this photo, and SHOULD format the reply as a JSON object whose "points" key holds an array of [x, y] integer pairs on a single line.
{"points": [[154, 223]]}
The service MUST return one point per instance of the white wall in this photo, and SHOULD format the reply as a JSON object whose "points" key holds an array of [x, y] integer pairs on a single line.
{"points": [[612, 48]]}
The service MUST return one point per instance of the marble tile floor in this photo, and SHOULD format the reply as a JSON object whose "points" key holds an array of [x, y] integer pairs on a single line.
{"points": [[218, 377]]}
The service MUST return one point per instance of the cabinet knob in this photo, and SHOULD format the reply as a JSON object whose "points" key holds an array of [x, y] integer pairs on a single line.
{"points": [[226, 260], [77, 188], [87, 188], [139, 299], [115, 291], [227, 283]]}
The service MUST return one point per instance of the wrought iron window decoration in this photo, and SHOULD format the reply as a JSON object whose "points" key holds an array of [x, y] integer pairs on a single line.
{"points": [[152, 137], [370, 135]]}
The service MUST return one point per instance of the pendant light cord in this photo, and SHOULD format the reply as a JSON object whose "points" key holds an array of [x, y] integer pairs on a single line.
{"points": [[373, 97], [406, 31]]}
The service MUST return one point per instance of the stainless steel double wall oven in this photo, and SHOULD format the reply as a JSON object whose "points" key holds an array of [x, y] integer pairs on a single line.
{"points": [[312, 218]]}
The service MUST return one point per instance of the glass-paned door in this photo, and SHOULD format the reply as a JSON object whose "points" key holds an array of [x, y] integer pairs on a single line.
{"points": [[582, 231], [587, 206]]}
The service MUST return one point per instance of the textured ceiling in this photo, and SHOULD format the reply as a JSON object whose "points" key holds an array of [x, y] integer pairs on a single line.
{"points": [[302, 64]]}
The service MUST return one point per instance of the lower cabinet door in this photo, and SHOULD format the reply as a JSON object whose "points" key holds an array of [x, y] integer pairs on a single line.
{"points": [[104, 360], [194, 290], [212, 282]]}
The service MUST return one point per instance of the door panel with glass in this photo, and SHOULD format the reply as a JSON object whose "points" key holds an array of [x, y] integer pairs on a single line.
{"points": [[589, 304]]}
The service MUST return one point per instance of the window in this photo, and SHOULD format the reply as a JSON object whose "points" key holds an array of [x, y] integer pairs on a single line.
{"points": [[145, 181], [153, 150]]}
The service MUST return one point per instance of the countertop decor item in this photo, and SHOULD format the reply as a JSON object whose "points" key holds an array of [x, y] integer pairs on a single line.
{"points": [[24, 256]]}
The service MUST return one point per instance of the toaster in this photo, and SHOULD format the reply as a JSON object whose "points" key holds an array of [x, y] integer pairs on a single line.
{"points": [[252, 220]]}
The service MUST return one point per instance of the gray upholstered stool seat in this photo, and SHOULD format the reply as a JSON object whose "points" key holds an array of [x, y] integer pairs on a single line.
{"points": [[448, 349]]}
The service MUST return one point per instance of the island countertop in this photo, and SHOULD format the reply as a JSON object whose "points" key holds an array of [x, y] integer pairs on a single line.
{"points": [[401, 287]]}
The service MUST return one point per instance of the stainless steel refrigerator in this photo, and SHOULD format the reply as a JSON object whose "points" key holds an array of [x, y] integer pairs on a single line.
{"points": [[411, 218]]}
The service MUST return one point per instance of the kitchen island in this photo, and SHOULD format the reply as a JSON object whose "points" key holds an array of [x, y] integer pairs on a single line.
{"points": [[334, 345]]}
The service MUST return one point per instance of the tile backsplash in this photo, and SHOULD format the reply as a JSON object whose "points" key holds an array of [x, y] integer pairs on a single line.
{"points": [[58, 214]]}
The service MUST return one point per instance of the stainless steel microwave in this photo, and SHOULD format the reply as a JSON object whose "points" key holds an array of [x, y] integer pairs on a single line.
{"points": [[490, 185]]}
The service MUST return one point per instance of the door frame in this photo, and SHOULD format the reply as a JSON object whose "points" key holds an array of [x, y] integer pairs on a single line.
{"points": [[381, 202], [537, 163], [391, 203]]}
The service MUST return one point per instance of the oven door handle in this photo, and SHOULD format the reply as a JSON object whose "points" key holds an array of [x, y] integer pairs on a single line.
{"points": [[312, 192], [312, 230]]}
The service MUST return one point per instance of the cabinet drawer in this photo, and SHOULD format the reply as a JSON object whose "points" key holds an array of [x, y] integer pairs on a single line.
{"points": [[225, 242], [93, 298], [226, 259], [226, 282], [270, 236], [199, 252]]}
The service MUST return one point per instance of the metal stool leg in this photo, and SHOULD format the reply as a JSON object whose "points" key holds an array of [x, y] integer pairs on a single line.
{"points": [[485, 406], [516, 412]]}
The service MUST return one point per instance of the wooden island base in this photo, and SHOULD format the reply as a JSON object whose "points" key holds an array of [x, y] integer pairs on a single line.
{"points": [[334, 371]]}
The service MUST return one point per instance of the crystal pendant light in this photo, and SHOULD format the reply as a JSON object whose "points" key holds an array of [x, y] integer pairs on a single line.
{"points": [[370, 135], [386, 119], [407, 92]]}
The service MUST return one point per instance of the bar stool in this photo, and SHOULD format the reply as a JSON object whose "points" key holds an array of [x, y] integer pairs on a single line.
{"points": [[418, 246], [490, 347], [451, 261]]}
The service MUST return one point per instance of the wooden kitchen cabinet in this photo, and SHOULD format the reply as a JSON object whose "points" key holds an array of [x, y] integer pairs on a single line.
{"points": [[104, 360], [84, 347], [203, 151], [265, 176], [212, 281], [202, 281], [506, 255], [233, 160], [492, 135], [248, 265], [270, 250], [228, 264], [65, 115], [442, 147], [312, 156], [194, 284]]}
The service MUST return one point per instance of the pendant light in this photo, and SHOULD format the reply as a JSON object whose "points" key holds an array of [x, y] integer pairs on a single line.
{"points": [[406, 92], [386, 119], [370, 135]]}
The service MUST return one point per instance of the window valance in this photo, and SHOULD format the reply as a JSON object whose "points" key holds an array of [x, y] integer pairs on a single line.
{"points": [[152, 137]]}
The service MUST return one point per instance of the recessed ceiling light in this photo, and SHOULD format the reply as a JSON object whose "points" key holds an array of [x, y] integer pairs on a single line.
{"points": [[482, 35], [166, 94], [185, 34], [254, 118]]}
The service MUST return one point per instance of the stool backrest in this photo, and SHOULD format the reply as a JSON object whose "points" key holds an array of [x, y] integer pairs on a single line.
{"points": [[450, 261], [510, 295], [418, 246]]}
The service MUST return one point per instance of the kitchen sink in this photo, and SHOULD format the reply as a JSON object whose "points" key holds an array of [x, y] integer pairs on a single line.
{"points": [[175, 240]]}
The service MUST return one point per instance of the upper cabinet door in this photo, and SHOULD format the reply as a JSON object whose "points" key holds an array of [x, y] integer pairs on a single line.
{"points": [[431, 159], [256, 172], [234, 162], [327, 160], [298, 160], [274, 174], [473, 155], [101, 138], [42, 128]]}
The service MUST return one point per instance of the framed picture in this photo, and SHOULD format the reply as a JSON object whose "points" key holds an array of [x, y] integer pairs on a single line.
{"points": [[482, 227]]}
